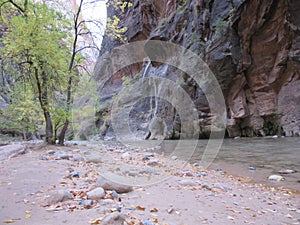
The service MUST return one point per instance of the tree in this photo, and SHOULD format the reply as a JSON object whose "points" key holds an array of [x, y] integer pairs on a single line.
{"points": [[23, 114], [48, 47], [81, 30], [34, 41]]}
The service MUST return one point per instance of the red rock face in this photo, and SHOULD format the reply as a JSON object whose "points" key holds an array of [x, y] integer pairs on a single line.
{"points": [[252, 46], [266, 41]]}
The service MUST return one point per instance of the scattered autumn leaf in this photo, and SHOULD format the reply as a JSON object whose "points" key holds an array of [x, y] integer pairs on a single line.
{"points": [[9, 221], [96, 221], [154, 210], [170, 210], [140, 208]]}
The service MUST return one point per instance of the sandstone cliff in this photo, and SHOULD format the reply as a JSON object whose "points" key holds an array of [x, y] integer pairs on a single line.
{"points": [[252, 47]]}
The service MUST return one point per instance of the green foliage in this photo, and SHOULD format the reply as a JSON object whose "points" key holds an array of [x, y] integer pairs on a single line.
{"points": [[87, 104], [24, 113], [37, 41], [42, 45]]}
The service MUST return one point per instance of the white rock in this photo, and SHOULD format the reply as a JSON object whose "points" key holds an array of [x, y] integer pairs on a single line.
{"points": [[97, 193], [59, 196], [153, 162], [126, 156], [188, 182], [174, 157], [276, 177], [287, 171], [94, 158], [115, 218], [61, 155], [110, 185]]}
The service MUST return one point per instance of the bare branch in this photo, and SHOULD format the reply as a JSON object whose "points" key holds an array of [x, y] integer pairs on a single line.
{"points": [[17, 6], [86, 47]]}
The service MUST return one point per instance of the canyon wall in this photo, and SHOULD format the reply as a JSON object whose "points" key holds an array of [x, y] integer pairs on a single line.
{"points": [[252, 47]]}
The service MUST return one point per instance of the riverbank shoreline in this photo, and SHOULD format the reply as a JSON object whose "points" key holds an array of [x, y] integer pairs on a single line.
{"points": [[191, 194]]}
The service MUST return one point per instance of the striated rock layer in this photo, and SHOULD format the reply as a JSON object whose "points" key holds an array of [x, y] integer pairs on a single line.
{"points": [[252, 47]]}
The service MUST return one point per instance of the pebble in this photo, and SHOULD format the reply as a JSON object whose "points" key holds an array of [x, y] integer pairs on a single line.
{"points": [[115, 218], [61, 155], [115, 194], [132, 173], [276, 177], [59, 196], [110, 185], [205, 186], [94, 158], [174, 157], [188, 173], [148, 171], [153, 162], [97, 193], [78, 159], [188, 182], [50, 152], [126, 156], [202, 174], [222, 186], [287, 171], [76, 175], [145, 158], [86, 203], [147, 222]]}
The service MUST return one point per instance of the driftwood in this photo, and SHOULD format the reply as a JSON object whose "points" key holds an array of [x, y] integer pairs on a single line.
{"points": [[10, 151]]}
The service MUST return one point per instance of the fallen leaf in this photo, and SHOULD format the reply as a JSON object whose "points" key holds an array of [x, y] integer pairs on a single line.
{"points": [[170, 210], [96, 221], [27, 215], [140, 208], [154, 210], [9, 221]]}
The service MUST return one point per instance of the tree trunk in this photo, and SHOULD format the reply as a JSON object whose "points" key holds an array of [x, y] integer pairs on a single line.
{"points": [[49, 128], [63, 132], [43, 99]]}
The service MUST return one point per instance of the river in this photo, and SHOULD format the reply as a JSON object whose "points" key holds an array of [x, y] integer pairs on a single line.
{"points": [[267, 156]]}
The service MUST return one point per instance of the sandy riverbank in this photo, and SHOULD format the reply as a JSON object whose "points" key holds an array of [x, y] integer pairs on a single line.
{"points": [[30, 185]]}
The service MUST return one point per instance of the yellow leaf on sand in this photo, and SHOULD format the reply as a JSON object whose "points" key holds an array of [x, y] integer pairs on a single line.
{"points": [[96, 221], [27, 216], [9, 221]]}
